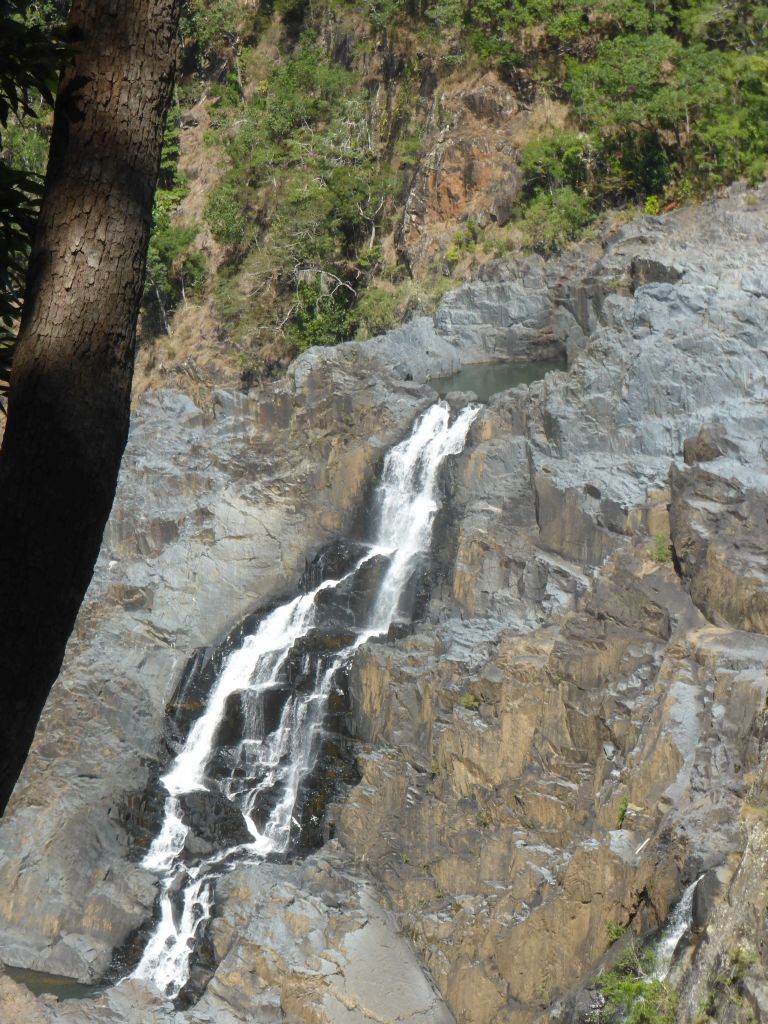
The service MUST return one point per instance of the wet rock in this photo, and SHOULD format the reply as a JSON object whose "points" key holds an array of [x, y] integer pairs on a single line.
{"points": [[573, 731], [213, 819], [318, 938], [215, 514], [519, 798], [705, 897], [350, 604]]}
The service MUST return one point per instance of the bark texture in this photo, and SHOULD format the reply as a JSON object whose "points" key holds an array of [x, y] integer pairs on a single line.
{"points": [[69, 401]]}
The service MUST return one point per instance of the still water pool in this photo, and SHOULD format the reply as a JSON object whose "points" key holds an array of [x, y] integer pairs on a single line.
{"points": [[40, 983], [486, 379]]}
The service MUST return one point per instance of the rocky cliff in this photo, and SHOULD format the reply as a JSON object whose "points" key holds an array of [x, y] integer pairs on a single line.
{"points": [[572, 732]]}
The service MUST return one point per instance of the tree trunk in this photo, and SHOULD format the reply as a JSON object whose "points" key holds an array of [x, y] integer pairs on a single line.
{"points": [[69, 399]]}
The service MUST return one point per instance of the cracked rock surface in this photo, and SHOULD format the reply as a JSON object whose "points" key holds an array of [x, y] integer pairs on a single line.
{"points": [[574, 730]]}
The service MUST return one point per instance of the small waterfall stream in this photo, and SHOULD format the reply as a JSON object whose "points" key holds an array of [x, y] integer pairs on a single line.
{"points": [[677, 925], [262, 772]]}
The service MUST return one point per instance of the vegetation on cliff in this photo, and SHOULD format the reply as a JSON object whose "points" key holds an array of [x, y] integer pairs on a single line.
{"points": [[633, 994], [665, 101], [319, 123]]}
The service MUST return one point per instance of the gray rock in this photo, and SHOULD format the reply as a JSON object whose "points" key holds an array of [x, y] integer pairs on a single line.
{"points": [[571, 731]]}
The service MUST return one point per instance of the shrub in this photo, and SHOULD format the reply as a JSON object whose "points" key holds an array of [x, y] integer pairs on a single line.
{"points": [[661, 551], [633, 995], [320, 318], [377, 311], [226, 216], [553, 219], [555, 161], [176, 270]]}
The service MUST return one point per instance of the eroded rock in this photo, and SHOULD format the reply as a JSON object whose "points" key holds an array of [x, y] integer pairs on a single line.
{"points": [[570, 734]]}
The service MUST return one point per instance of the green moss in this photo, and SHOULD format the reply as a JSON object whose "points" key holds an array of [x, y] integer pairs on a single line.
{"points": [[470, 702]]}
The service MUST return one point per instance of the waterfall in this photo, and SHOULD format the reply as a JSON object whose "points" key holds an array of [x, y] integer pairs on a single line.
{"points": [[265, 768], [678, 924]]}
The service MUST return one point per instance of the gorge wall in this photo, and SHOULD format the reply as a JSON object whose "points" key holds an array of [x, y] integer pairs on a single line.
{"points": [[572, 733]]}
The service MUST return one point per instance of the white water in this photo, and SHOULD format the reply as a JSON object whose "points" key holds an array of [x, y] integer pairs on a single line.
{"points": [[677, 925], [271, 767]]}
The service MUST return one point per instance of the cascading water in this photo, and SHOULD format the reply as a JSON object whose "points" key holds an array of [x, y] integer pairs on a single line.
{"points": [[263, 772], [678, 924]]}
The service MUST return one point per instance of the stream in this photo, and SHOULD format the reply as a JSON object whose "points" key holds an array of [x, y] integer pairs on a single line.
{"points": [[282, 686]]}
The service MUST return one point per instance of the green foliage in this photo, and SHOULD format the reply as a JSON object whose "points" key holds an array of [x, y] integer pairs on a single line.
{"points": [[211, 36], [470, 702], [300, 207], [320, 318], [553, 219], [176, 270], [25, 143], [464, 241], [661, 551], [377, 312], [19, 200], [742, 24], [622, 813], [557, 161], [226, 215], [669, 100], [302, 91], [407, 150], [31, 52], [633, 995], [558, 170], [614, 931]]}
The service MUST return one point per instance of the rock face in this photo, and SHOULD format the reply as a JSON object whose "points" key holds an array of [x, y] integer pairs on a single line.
{"points": [[212, 518], [718, 524], [572, 733], [470, 169]]}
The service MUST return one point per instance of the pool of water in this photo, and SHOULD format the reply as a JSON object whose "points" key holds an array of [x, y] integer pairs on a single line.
{"points": [[39, 983], [486, 379]]}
